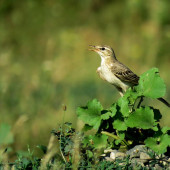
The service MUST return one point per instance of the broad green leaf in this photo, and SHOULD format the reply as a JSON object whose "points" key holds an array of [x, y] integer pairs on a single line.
{"points": [[131, 96], [124, 107], [6, 137], [119, 124], [141, 118], [155, 128], [106, 115], [151, 85], [97, 141], [113, 110], [158, 145], [91, 114], [95, 106], [87, 127], [165, 129], [100, 141]]}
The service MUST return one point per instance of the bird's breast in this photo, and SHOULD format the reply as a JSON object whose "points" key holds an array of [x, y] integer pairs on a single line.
{"points": [[111, 78]]}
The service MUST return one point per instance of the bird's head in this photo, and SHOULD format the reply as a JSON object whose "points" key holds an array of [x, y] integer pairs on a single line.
{"points": [[105, 52]]}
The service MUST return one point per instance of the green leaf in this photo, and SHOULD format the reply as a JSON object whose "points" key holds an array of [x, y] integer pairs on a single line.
{"points": [[165, 129], [87, 127], [113, 110], [159, 145], [91, 114], [124, 107], [151, 85], [141, 118], [97, 141], [6, 137], [100, 141], [131, 95], [155, 128], [119, 125], [106, 115]]}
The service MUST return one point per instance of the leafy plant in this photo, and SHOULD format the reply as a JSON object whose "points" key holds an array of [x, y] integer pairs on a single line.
{"points": [[127, 122], [90, 158]]}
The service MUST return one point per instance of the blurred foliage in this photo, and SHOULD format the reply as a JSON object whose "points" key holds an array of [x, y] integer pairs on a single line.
{"points": [[44, 61]]}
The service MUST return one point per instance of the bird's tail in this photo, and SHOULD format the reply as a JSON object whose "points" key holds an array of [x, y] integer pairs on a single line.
{"points": [[164, 101]]}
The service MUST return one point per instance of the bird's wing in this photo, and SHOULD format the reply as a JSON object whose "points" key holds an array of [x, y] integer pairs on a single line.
{"points": [[125, 74]]}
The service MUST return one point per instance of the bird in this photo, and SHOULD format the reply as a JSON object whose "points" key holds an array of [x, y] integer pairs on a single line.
{"points": [[114, 72]]}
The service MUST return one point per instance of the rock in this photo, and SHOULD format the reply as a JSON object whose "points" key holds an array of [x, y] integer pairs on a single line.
{"points": [[117, 154], [109, 159], [122, 164], [108, 150], [157, 167], [113, 155], [135, 162], [144, 155], [120, 154], [103, 155], [139, 158], [136, 151], [168, 160]]}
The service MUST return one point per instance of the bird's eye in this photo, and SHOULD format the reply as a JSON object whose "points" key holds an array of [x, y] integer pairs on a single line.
{"points": [[102, 48]]}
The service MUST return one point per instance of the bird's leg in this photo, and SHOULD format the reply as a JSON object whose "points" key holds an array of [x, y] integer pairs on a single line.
{"points": [[120, 90], [121, 94]]}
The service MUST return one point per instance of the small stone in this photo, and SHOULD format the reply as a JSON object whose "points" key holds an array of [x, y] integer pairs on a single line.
{"points": [[103, 155], [135, 152], [122, 164], [113, 155], [164, 163], [109, 159], [120, 154], [116, 154], [108, 150], [157, 167], [137, 161], [144, 155], [168, 160]]}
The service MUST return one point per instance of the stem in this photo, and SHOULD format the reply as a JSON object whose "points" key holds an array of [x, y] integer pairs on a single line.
{"points": [[61, 151], [140, 102], [114, 137], [110, 134]]}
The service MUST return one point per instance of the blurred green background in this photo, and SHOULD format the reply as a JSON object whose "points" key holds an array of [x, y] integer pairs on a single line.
{"points": [[45, 62]]}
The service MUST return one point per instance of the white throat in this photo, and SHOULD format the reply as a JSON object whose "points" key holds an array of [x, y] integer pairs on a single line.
{"points": [[102, 59]]}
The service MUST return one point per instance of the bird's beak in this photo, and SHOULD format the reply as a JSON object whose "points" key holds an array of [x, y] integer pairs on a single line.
{"points": [[93, 48]]}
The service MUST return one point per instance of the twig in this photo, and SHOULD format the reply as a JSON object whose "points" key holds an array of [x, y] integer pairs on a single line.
{"points": [[140, 102]]}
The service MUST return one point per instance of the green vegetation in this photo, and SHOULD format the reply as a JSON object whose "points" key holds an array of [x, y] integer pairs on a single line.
{"points": [[127, 122], [66, 150], [45, 64]]}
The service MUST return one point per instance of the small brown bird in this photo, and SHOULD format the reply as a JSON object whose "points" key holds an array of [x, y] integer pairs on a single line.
{"points": [[114, 72]]}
